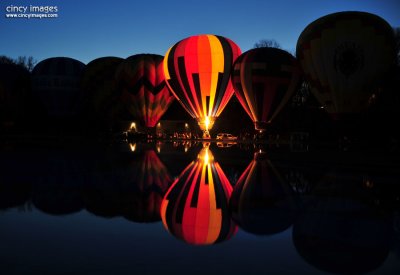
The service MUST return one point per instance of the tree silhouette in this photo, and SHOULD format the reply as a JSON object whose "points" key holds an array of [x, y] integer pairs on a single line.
{"points": [[27, 62], [6, 60], [267, 43]]}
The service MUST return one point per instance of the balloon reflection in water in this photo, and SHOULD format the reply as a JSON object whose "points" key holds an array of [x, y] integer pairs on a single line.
{"points": [[195, 208], [134, 188], [340, 230], [262, 202], [151, 182], [58, 190]]}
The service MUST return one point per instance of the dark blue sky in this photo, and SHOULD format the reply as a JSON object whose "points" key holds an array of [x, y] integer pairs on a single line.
{"points": [[93, 29]]}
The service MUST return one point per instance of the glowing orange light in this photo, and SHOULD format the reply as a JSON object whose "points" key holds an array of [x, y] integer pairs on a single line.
{"points": [[132, 146]]}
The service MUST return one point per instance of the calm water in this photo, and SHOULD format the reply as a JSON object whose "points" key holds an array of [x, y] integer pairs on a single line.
{"points": [[184, 208]]}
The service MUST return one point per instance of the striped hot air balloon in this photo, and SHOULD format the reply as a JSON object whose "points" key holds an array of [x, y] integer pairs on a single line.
{"points": [[195, 208], [141, 80], [197, 70], [264, 80], [343, 56]]}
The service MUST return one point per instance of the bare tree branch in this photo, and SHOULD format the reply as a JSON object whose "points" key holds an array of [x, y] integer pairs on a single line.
{"points": [[267, 43]]}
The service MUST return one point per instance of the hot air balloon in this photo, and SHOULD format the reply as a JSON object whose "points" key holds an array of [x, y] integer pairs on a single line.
{"points": [[195, 208], [343, 56], [264, 80], [100, 98], [141, 80], [197, 70], [262, 203], [56, 82]]}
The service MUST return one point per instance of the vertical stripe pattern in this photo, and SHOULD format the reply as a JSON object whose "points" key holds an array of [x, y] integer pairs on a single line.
{"points": [[264, 80], [195, 208], [197, 70]]}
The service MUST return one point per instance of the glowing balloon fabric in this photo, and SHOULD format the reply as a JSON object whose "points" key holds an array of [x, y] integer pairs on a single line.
{"points": [[141, 80], [264, 79], [195, 208], [343, 55], [197, 70]]}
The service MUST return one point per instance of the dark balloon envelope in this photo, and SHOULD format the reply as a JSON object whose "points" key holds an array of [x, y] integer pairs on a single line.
{"points": [[142, 83], [197, 70], [264, 80], [100, 98], [262, 202], [195, 208], [344, 55], [55, 81]]}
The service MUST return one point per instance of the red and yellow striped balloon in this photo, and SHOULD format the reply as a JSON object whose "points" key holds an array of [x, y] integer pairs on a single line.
{"points": [[197, 70], [195, 208]]}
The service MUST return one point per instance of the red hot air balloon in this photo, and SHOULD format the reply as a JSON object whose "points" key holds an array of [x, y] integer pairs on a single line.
{"points": [[264, 80], [197, 70], [141, 79], [343, 55], [195, 208]]}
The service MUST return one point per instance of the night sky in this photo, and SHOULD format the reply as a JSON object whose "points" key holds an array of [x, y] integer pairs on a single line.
{"points": [[94, 28]]}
